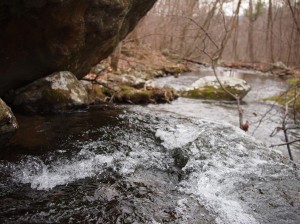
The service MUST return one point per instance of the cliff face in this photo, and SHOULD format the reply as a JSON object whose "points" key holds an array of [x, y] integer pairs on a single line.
{"points": [[39, 37]]}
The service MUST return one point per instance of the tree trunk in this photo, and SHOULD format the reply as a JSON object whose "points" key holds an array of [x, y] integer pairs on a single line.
{"points": [[205, 26], [250, 32], [235, 41], [115, 56], [269, 39], [190, 9]]}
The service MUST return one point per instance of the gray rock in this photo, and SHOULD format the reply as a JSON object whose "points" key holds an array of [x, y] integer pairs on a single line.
{"points": [[8, 123], [209, 88], [98, 69], [43, 36], [129, 80], [59, 92], [280, 64]]}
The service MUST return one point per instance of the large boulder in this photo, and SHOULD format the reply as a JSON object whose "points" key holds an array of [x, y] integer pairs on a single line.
{"points": [[8, 122], [59, 92], [39, 37], [209, 88]]}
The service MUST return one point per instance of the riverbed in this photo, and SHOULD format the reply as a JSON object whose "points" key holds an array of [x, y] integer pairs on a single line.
{"points": [[184, 162]]}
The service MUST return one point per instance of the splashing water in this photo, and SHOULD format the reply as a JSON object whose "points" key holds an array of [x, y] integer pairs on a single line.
{"points": [[146, 165]]}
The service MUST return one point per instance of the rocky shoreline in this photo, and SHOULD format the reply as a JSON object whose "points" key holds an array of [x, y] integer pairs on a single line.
{"points": [[130, 83], [62, 92]]}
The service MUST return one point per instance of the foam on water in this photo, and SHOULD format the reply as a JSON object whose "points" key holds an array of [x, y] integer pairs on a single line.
{"points": [[178, 136], [131, 153], [219, 163], [220, 167], [45, 177]]}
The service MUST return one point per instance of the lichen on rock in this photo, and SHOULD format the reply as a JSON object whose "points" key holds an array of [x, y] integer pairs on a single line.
{"points": [[128, 94], [59, 92], [209, 88]]}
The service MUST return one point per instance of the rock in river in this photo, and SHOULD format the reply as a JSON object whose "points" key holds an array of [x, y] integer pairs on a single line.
{"points": [[58, 92], [40, 37], [209, 88], [8, 122], [96, 92]]}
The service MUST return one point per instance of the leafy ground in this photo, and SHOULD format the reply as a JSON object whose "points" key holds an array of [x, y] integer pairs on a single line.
{"points": [[128, 83]]}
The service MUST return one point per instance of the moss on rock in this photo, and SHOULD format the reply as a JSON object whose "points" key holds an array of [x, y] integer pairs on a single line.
{"points": [[282, 99], [58, 92], [293, 81], [175, 69], [52, 96], [289, 95], [128, 94], [208, 88]]}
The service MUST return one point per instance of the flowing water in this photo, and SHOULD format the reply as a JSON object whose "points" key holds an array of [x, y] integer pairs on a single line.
{"points": [[184, 162]]}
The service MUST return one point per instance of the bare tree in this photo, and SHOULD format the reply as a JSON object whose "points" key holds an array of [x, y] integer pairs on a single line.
{"points": [[269, 35], [269, 25]]}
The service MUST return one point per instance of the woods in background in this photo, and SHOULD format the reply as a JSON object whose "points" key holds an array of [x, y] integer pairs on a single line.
{"points": [[258, 30]]}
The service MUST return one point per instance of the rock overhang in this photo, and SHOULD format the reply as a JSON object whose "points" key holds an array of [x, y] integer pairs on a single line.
{"points": [[44, 36]]}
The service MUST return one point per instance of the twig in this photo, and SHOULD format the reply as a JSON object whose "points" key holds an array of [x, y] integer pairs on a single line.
{"points": [[263, 117], [284, 124], [286, 143], [203, 30]]}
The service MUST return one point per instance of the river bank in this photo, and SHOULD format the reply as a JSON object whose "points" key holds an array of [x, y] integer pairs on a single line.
{"points": [[144, 164], [178, 162]]}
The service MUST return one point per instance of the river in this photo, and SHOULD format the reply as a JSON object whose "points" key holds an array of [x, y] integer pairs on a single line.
{"points": [[184, 162]]}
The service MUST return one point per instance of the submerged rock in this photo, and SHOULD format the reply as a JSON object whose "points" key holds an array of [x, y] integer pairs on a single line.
{"points": [[58, 92], [209, 88], [8, 122]]}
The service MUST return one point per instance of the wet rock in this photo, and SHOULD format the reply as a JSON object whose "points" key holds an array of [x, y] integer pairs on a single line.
{"points": [[140, 199], [96, 92], [164, 95], [8, 123], [209, 88], [128, 80], [175, 69], [127, 94], [125, 88], [44, 36], [58, 92], [159, 73]]}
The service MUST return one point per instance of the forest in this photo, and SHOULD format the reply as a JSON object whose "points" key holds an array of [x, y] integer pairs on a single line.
{"points": [[244, 31], [150, 111]]}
